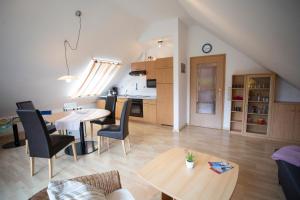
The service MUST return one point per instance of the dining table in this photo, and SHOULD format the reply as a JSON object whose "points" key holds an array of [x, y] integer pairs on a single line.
{"points": [[76, 120]]}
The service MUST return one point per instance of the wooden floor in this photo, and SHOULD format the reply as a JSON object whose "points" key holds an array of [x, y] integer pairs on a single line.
{"points": [[257, 177]]}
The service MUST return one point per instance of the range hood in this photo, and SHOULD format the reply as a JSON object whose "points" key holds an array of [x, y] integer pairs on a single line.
{"points": [[138, 73]]}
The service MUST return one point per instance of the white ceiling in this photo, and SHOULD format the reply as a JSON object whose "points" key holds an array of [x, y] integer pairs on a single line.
{"points": [[265, 30]]}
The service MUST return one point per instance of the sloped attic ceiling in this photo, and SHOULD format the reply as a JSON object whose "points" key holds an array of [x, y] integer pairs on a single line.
{"points": [[31, 43], [32, 51], [267, 31]]}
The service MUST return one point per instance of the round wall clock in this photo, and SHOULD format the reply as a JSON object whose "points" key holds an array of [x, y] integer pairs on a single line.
{"points": [[206, 48]]}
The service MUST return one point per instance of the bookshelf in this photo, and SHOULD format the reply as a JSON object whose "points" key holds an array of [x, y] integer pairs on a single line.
{"points": [[251, 103], [259, 98], [237, 104]]}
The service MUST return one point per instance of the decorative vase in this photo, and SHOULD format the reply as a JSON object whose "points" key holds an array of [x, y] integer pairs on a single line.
{"points": [[189, 165]]}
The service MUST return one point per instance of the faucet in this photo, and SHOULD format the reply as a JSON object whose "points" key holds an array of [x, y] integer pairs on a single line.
{"points": [[126, 92], [136, 86]]}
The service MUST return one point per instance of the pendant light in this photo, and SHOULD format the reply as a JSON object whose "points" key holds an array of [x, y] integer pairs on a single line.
{"points": [[68, 78]]}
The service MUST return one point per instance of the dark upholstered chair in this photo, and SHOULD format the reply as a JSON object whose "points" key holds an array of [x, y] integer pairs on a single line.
{"points": [[119, 132], [41, 144], [28, 105], [110, 104]]}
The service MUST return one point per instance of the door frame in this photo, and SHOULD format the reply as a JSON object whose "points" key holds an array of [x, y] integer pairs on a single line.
{"points": [[223, 93]]}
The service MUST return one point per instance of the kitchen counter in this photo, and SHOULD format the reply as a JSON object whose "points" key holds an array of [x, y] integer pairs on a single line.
{"points": [[132, 97]]}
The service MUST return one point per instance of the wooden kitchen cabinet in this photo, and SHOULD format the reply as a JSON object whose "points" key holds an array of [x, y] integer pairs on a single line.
{"points": [[150, 70], [164, 70], [138, 66], [100, 103], [119, 107], [164, 104], [149, 111]]}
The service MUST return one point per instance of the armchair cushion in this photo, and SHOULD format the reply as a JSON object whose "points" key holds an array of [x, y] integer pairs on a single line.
{"points": [[107, 182], [60, 190], [120, 194]]}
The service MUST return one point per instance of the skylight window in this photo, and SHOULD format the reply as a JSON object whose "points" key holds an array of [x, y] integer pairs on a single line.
{"points": [[98, 75]]}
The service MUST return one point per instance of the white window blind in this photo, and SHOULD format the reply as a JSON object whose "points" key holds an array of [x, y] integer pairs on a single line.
{"points": [[97, 77]]}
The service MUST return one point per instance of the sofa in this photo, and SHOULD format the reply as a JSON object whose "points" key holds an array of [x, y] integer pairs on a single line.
{"points": [[108, 182], [289, 179]]}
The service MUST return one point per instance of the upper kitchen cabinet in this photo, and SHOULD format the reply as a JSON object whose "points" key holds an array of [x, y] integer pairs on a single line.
{"points": [[138, 66], [150, 70], [164, 70]]}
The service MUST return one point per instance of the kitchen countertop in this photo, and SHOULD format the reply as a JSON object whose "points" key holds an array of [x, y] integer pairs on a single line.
{"points": [[133, 97]]}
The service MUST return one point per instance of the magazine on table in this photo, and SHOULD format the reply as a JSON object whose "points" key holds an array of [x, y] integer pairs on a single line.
{"points": [[220, 167]]}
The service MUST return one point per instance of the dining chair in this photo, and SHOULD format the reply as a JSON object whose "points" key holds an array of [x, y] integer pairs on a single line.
{"points": [[41, 144], [110, 104], [28, 105], [119, 132]]}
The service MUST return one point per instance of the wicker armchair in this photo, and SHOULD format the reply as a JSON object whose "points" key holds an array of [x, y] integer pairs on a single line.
{"points": [[107, 182]]}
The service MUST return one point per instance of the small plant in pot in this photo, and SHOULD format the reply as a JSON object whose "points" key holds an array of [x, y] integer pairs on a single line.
{"points": [[190, 160]]}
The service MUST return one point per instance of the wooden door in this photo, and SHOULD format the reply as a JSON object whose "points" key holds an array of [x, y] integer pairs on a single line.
{"points": [[164, 107], [207, 91]]}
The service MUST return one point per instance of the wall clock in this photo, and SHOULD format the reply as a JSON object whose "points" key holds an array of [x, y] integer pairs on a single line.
{"points": [[206, 48]]}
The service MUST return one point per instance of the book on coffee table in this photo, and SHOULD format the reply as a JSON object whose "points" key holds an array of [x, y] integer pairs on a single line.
{"points": [[220, 167]]}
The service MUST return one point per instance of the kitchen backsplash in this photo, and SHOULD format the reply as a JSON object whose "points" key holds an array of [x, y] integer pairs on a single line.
{"points": [[135, 85]]}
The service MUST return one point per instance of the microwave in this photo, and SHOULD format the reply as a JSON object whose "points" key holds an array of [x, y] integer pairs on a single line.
{"points": [[151, 83]]}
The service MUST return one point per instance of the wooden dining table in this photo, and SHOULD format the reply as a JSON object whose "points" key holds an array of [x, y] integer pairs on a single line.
{"points": [[168, 173], [61, 119]]}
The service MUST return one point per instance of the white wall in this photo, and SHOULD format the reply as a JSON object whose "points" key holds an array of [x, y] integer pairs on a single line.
{"points": [[286, 92], [236, 62], [129, 83], [182, 32]]}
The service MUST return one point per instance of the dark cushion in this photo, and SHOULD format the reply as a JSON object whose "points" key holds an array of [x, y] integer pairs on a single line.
{"points": [[112, 131], [51, 128], [106, 121], [58, 142], [289, 178]]}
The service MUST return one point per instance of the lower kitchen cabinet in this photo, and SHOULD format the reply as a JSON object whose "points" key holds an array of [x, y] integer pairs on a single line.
{"points": [[164, 104], [149, 111], [100, 103]]}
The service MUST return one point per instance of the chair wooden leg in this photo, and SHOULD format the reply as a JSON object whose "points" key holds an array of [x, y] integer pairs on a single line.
{"points": [[107, 141], [26, 147], [99, 144], [91, 130], [50, 168], [31, 166], [128, 143], [74, 151], [124, 149]]}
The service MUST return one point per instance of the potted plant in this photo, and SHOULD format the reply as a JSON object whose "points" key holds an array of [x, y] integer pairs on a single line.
{"points": [[190, 160]]}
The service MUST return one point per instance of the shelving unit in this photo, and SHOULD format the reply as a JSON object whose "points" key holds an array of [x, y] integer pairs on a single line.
{"points": [[237, 104], [259, 98], [251, 101]]}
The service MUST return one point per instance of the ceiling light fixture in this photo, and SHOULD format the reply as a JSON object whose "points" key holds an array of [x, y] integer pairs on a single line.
{"points": [[68, 78], [160, 43]]}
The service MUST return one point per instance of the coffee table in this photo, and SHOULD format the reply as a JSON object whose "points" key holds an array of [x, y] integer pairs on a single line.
{"points": [[168, 173]]}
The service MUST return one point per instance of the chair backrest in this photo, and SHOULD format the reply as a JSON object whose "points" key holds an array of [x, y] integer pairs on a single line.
{"points": [[36, 131], [25, 105], [125, 118], [110, 104]]}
